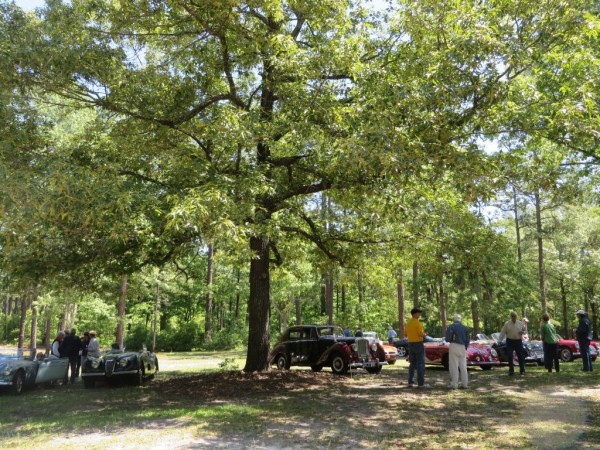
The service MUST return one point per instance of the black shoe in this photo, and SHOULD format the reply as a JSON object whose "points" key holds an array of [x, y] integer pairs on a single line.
{"points": [[549, 370], [510, 374]]}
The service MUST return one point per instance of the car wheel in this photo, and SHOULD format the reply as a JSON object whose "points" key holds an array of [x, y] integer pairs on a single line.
{"points": [[18, 383], [391, 362], [402, 352], [282, 362], [374, 370], [317, 368], [339, 366], [89, 382], [593, 358], [565, 354], [486, 367], [445, 362]]}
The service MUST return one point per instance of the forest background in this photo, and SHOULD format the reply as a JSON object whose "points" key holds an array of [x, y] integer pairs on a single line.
{"points": [[200, 175]]}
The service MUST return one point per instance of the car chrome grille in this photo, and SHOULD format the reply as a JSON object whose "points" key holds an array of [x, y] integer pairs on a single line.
{"points": [[109, 366], [362, 346]]}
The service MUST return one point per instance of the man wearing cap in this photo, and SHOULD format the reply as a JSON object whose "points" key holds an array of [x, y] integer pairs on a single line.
{"points": [[584, 336], [458, 337], [513, 331], [415, 333]]}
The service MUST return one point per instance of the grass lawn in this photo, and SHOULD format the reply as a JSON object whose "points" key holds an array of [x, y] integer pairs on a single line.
{"points": [[195, 403]]}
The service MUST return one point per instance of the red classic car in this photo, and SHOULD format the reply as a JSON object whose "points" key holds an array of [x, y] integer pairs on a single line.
{"points": [[568, 349], [481, 355]]}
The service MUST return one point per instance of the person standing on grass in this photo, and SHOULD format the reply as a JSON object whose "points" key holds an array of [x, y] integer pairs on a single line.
{"points": [[415, 333], [56, 348], [93, 348], [550, 343], [584, 337], [84, 349], [391, 335], [71, 346], [458, 337], [513, 330]]}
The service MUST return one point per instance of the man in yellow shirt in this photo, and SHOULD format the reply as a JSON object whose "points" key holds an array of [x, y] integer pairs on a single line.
{"points": [[415, 333]]}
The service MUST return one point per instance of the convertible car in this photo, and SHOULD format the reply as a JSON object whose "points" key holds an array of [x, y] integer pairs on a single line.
{"points": [[118, 365], [317, 346], [402, 345], [534, 352], [17, 372], [481, 355]]}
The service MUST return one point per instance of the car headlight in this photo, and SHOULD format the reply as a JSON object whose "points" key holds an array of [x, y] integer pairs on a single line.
{"points": [[493, 352], [124, 362], [354, 347], [374, 347], [95, 363], [577, 345], [4, 369]]}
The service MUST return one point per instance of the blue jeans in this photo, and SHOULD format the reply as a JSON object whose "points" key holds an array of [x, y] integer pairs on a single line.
{"points": [[584, 349], [416, 356]]}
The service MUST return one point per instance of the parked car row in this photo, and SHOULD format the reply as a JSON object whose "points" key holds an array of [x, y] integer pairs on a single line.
{"points": [[18, 372]]}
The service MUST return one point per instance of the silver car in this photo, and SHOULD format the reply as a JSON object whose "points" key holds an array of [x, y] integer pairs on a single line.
{"points": [[17, 372]]}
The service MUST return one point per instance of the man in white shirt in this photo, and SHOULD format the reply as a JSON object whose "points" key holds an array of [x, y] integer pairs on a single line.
{"points": [[513, 330]]}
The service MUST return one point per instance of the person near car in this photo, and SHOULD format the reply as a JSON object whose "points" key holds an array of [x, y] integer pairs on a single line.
{"points": [[56, 347], [358, 333], [550, 344], [458, 337], [84, 349], [513, 332], [71, 346], [525, 336], [584, 337], [391, 335], [93, 348], [415, 333]]}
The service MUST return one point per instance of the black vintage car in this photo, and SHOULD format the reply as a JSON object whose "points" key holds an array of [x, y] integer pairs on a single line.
{"points": [[118, 365], [317, 346]]}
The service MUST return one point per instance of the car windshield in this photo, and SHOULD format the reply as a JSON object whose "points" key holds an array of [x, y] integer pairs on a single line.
{"points": [[483, 337], [7, 353], [331, 331], [370, 334]]}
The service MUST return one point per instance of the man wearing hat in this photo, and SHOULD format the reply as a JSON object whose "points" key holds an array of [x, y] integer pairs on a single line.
{"points": [[584, 336], [458, 337], [415, 333]]}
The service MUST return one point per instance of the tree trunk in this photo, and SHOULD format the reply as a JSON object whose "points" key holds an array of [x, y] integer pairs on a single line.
{"points": [[517, 226], [237, 296], [538, 221], [329, 296], [361, 298], [34, 323], [415, 285], [400, 289], [298, 310], [344, 303], [565, 312], [22, 322], [594, 319], [121, 311], [209, 294], [443, 312], [259, 303], [475, 302], [47, 328]]}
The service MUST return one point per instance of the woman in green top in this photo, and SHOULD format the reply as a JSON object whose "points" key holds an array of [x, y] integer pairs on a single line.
{"points": [[550, 340]]}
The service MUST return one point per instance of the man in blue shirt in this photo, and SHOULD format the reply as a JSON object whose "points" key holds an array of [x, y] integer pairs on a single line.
{"points": [[458, 337], [584, 336]]}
